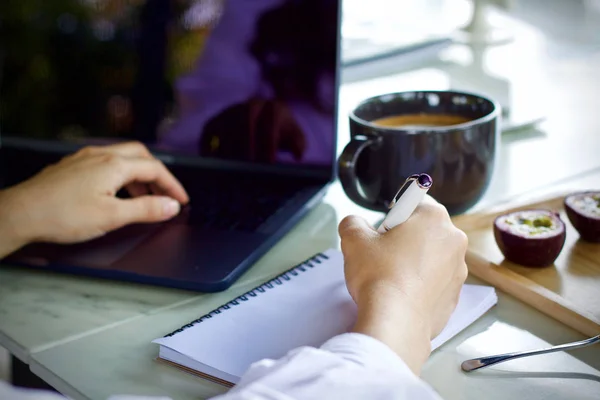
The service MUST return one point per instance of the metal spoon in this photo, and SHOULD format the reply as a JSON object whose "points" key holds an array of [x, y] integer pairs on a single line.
{"points": [[477, 363]]}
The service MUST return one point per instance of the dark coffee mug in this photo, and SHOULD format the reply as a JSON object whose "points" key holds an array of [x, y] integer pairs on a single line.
{"points": [[452, 136]]}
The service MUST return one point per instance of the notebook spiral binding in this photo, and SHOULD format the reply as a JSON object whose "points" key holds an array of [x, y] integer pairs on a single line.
{"points": [[277, 281]]}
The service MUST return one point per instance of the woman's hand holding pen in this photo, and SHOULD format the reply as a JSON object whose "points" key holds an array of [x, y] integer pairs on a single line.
{"points": [[406, 282]]}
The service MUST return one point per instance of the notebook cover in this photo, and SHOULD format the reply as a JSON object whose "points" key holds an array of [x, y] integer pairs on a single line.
{"points": [[196, 373]]}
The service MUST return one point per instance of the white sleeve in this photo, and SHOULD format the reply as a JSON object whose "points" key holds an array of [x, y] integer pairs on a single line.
{"points": [[349, 366]]}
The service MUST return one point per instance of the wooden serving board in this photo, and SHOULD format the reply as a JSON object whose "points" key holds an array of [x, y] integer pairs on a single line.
{"points": [[568, 291]]}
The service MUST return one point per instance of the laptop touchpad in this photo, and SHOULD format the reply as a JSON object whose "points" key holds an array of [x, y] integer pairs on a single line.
{"points": [[98, 253]]}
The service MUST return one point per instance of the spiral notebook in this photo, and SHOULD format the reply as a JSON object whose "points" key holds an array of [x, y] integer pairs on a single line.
{"points": [[304, 306]]}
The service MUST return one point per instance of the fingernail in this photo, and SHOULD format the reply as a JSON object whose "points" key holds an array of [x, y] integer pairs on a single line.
{"points": [[171, 207]]}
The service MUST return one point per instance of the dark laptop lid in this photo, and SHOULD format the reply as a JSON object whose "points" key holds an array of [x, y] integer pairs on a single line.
{"points": [[212, 82]]}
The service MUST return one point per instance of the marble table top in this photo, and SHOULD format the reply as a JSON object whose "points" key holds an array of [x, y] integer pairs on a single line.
{"points": [[125, 357]]}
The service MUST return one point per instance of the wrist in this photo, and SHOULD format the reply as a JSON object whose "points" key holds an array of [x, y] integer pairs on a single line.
{"points": [[13, 232], [385, 313]]}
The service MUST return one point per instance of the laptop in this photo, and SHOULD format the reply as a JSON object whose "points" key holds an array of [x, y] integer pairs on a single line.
{"points": [[237, 97]]}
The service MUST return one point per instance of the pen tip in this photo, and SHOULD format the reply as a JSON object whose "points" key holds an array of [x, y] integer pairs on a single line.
{"points": [[425, 181]]}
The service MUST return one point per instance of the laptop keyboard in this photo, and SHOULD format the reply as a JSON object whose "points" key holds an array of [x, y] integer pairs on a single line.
{"points": [[241, 205]]}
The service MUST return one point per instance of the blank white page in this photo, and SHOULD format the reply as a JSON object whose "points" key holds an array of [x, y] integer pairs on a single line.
{"points": [[306, 310], [474, 301]]}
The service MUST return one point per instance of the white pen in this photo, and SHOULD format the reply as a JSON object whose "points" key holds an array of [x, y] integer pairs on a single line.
{"points": [[406, 201]]}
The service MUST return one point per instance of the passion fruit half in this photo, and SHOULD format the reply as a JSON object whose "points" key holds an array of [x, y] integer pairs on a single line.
{"points": [[583, 210], [532, 238]]}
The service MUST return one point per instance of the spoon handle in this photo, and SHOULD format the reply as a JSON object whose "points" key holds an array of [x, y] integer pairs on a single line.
{"points": [[478, 363]]}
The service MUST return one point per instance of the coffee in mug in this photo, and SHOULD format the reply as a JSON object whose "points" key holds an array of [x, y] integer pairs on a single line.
{"points": [[420, 120]]}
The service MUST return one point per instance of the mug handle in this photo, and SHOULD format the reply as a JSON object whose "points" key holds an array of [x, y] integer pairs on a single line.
{"points": [[347, 168]]}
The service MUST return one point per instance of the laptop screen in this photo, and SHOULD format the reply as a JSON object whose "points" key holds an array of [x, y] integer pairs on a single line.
{"points": [[243, 80]]}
